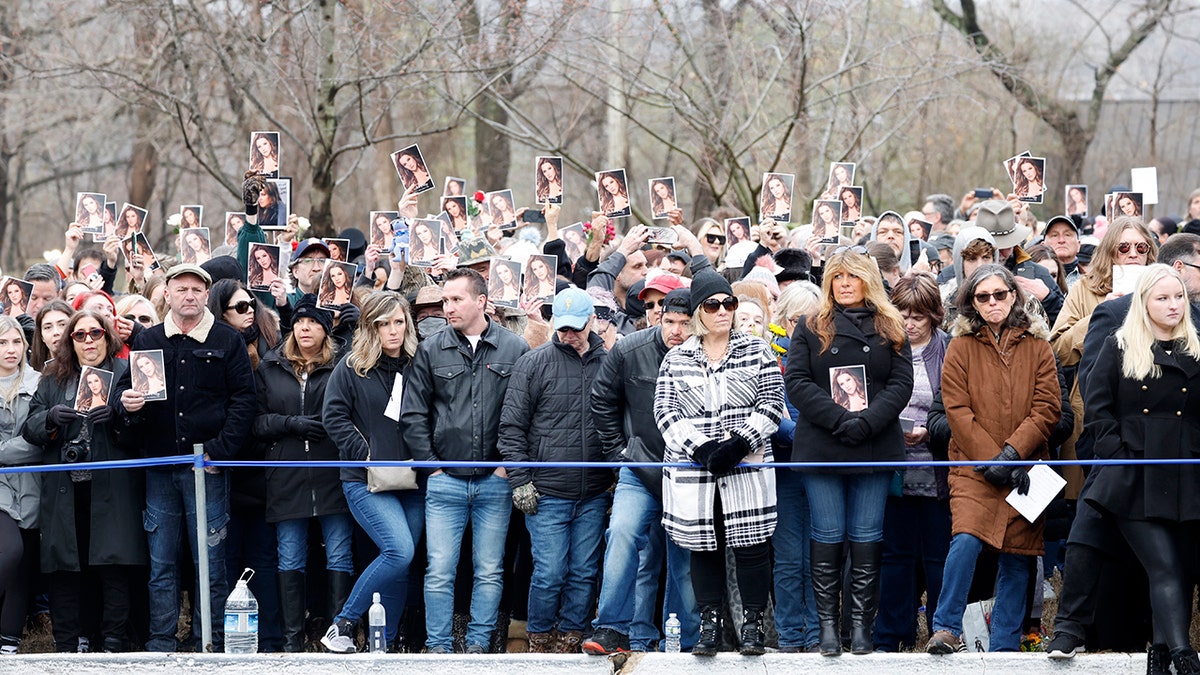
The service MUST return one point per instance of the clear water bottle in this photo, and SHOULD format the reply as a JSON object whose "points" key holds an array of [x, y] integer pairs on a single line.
{"points": [[241, 618], [377, 619], [673, 631]]}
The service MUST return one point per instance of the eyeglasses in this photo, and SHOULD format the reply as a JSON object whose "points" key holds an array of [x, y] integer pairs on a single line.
{"points": [[1190, 264], [243, 307], [711, 305], [82, 335], [1141, 247], [862, 250], [985, 298], [309, 262], [142, 319], [715, 239]]}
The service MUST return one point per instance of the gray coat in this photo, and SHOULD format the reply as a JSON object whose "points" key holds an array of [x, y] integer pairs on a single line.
{"points": [[20, 492]]}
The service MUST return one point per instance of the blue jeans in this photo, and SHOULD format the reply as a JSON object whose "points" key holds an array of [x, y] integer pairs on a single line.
{"points": [[170, 507], [394, 521], [450, 503], [565, 538], [1011, 585], [795, 605], [633, 557], [337, 529], [847, 504], [916, 541]]}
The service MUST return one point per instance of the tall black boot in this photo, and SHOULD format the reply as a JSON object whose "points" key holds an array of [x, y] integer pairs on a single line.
{"points": [[292, 605], [340, 585], [827, 589], [1185, 660], [1158, 660], [710, 632], [864, 594]]}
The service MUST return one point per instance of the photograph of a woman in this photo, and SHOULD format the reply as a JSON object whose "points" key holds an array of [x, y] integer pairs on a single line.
{"points": [[1077, 204], [613, 191], [504, 283], [548, 180], [89, 212], [381, 228], [262, 266], [423, 242], [147, 372], [662, 197], [264, 153], [130, 220], [1127, 204], [539, 278], [576, 243], [848, 386], [233, 224], [500, 209], [841, 174], [138, 252], [15, 296], [410, 166], [851, 198], [94, 384], [110, 223], [455, 187], [337, 248], [191, 216], [737, 230], [194, 245], [1029, 179], [273, 205], [827, 216], [337, 285], [454, 212], [775, 202]]}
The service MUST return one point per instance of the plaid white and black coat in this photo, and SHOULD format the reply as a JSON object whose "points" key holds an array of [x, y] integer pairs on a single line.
{"points": [[695, 403]]}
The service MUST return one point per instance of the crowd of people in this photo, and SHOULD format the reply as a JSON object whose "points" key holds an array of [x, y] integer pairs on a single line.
{"points": [[932, 335]]}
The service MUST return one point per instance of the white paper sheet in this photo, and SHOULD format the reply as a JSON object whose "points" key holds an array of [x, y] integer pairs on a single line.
{"points": [[1125, 278], [1044, 486], [392, 411], [1145, 180]]}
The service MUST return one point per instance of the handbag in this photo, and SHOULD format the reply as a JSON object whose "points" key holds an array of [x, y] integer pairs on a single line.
{"points": [[389, 478]]}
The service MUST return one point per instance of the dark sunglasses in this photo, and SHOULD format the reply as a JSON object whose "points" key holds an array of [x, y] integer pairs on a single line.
{"points": [[715, 239], [853, 249], [242, 307], [985, 298], [1142, 247], [82, 335], [144, 319], [711, 305], [651, 304]]}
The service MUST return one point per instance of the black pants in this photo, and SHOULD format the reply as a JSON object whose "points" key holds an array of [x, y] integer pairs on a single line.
{"points": [[753, 570], [18, 575], [1159, 547]]}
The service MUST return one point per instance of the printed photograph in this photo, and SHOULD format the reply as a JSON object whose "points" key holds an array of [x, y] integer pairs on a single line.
{"points": [[540, 278], [575, 241], [339, 249], [613, 192], [454, 212], [851, 199], [148, 374], [16, 294], [1029, 182], [548, 182], [264, 153], [337, 285], [1077, 200], [110, 223], [827, 218], [381, 228], [262, 266], [775, 200], [411, 168], [233, 224], [500, 209], [841, 174], [424, 242], [737, 230], [275, 203], [662, 197], [191, 216], [138, 252], [94, 385], [504, 283], [455, 187], [1126, 204], [848, 386], [89, 212], [194, 245], [129, 220]]}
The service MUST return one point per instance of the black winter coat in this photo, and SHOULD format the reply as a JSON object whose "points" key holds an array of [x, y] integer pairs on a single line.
{"points": [[293, 492], [547, 417], [117, 536], [354, 418], [1151, 418], [889, 388]]}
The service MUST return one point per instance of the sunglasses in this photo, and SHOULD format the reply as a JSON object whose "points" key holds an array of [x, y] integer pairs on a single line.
{"points": [[711, 305], [143, 319], [1141, 247], [853, 249], [651, 304], [82, 335], [243, 307], [985, 298], [715, 239]]}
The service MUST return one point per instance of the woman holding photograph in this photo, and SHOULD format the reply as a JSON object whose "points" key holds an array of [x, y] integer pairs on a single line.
{"points": [[776, 199], [718, 399], [232, 227], [501, 209], [1002, 398], [412, 170], [264, 154], [539, 280], [195, 248], [1128, 206], [614, 196], [662, 197], [856, 327], [15, 298], [456, 214], [851, 208], [91, 521], [423, 244], [1076, 201], [51, 323], [337, 287], [1029, 178], [264, 267], [91, 214], [1138, 407], [128, 222], [549, 181], [826, 221], [355, 416], [504, 286], [147, 377]]}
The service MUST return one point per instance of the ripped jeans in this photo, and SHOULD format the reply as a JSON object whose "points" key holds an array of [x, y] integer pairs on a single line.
{"points": [[171, 507]]}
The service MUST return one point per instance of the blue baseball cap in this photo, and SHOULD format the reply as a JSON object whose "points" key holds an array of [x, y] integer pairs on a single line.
{"points": [[573, 307]]}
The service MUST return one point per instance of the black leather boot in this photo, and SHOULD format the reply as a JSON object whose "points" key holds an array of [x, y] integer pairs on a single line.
{"points": [[1158, 660], [710, 632], [292, 606], [864, 594], [1185, 660], [340, 585], [827, 589], [754, 639]]}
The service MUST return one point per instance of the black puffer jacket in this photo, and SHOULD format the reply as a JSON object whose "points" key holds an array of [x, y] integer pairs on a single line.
{"points": [[354, 418], [292, 492], [547, 417]]}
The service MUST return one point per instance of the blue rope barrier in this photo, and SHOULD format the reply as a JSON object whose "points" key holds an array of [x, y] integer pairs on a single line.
{"points": [[96, 466]]}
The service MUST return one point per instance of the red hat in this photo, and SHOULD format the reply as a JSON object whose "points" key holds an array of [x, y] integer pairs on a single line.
{"points": [[663, 283]]}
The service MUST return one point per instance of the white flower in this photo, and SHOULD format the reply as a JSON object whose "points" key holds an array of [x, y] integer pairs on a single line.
{"points": [[174, 220], [52, 255], [303, 224]]}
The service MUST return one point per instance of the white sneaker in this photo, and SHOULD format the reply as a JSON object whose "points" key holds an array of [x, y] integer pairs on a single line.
{"points": [[337, 641]]}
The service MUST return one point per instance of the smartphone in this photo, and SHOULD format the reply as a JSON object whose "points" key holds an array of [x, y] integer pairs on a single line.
{"points": [[983, 193], [914, 250], [532, 216], [87, 271], [662, 235], [907, 425]]}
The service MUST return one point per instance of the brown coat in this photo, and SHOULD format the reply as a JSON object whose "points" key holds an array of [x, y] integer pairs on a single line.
{"points": [[995, 396]]}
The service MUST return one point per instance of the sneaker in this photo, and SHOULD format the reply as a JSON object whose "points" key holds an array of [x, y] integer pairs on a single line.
{"points": [[945, 642], [85, 646], [339, 639], [1065, 646], [439, 650], [606, 641], [476, 649]]}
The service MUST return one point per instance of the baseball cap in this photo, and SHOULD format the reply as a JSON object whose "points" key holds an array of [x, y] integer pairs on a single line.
{"points": [[309, 245], [663, 283], [573, 307]]}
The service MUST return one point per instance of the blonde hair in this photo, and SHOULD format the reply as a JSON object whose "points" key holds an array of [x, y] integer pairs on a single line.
{"points": [[367, 348], [888, 322], [1136, 339], [800, 298], [1099, 276]]}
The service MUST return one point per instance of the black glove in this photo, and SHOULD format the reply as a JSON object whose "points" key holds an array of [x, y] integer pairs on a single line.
{"points": [[100, 414], [729, 453], [703, 454], [60, 416], [311, 428], [1002, 476], [852, 430], [348, 315], [1019, 480], [251, 186]]}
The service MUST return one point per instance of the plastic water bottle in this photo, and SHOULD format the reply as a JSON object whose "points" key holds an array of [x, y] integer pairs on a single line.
{"points": [[377, 618], [673, 631], [241, 618]]}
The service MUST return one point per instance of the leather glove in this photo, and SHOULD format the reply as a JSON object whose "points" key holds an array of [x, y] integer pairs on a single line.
{"points": [[100, 415], [525, 498], [852, 430], [251, 186], [312, 428], [703, 454], [60, 416], [348, 315], [1001, 476], [1019, 480], [729, 453]]}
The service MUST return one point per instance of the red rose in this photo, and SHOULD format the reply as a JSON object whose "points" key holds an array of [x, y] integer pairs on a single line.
{"points": [[478, 197], [295, 244]]}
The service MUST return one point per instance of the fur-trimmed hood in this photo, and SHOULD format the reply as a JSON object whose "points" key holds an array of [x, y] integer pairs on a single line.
{"points": [[1038, 328]]}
